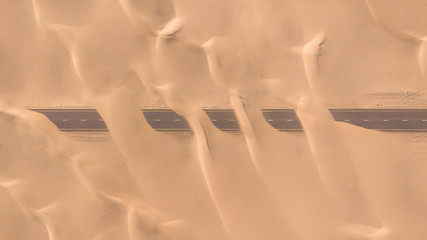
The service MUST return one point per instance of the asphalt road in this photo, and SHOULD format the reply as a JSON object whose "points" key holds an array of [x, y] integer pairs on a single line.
{"points": [[166, 120]]}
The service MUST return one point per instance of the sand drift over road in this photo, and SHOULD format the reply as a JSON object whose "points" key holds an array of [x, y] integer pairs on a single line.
{"points": [[333, 181], [286, 120]]}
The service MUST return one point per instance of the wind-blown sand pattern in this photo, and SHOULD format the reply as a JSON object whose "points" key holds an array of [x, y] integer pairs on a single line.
{"points": [[335, 181]]}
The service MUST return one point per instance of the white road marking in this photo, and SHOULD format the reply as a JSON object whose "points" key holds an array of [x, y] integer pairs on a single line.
{"points": [[269, 120], [289, 120], [385, 120], [232, 120], [101, 120], [424, 120], [213, 120], [346, 120], [64, 120], [177, 120], [157, 120], [404, 120], [366, 120], [82, 120]]}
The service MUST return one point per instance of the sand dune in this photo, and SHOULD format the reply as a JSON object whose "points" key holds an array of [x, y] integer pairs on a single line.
{"points": [[334, 181]]}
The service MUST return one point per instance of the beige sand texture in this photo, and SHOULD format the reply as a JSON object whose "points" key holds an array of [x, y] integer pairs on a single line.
{"points": [[335, 181]]}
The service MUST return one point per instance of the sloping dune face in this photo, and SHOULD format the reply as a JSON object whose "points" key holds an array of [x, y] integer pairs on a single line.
{"points": [[334, 181]]}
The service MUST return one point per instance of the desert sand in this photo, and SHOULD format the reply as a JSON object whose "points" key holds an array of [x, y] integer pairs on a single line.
{"points": [[335, 181]]}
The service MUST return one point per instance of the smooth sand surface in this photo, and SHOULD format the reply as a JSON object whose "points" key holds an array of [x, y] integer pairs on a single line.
{"points": [[333, 182]]}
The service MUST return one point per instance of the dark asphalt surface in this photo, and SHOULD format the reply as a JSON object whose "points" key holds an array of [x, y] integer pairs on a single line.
{"points": [[166, 120]]}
